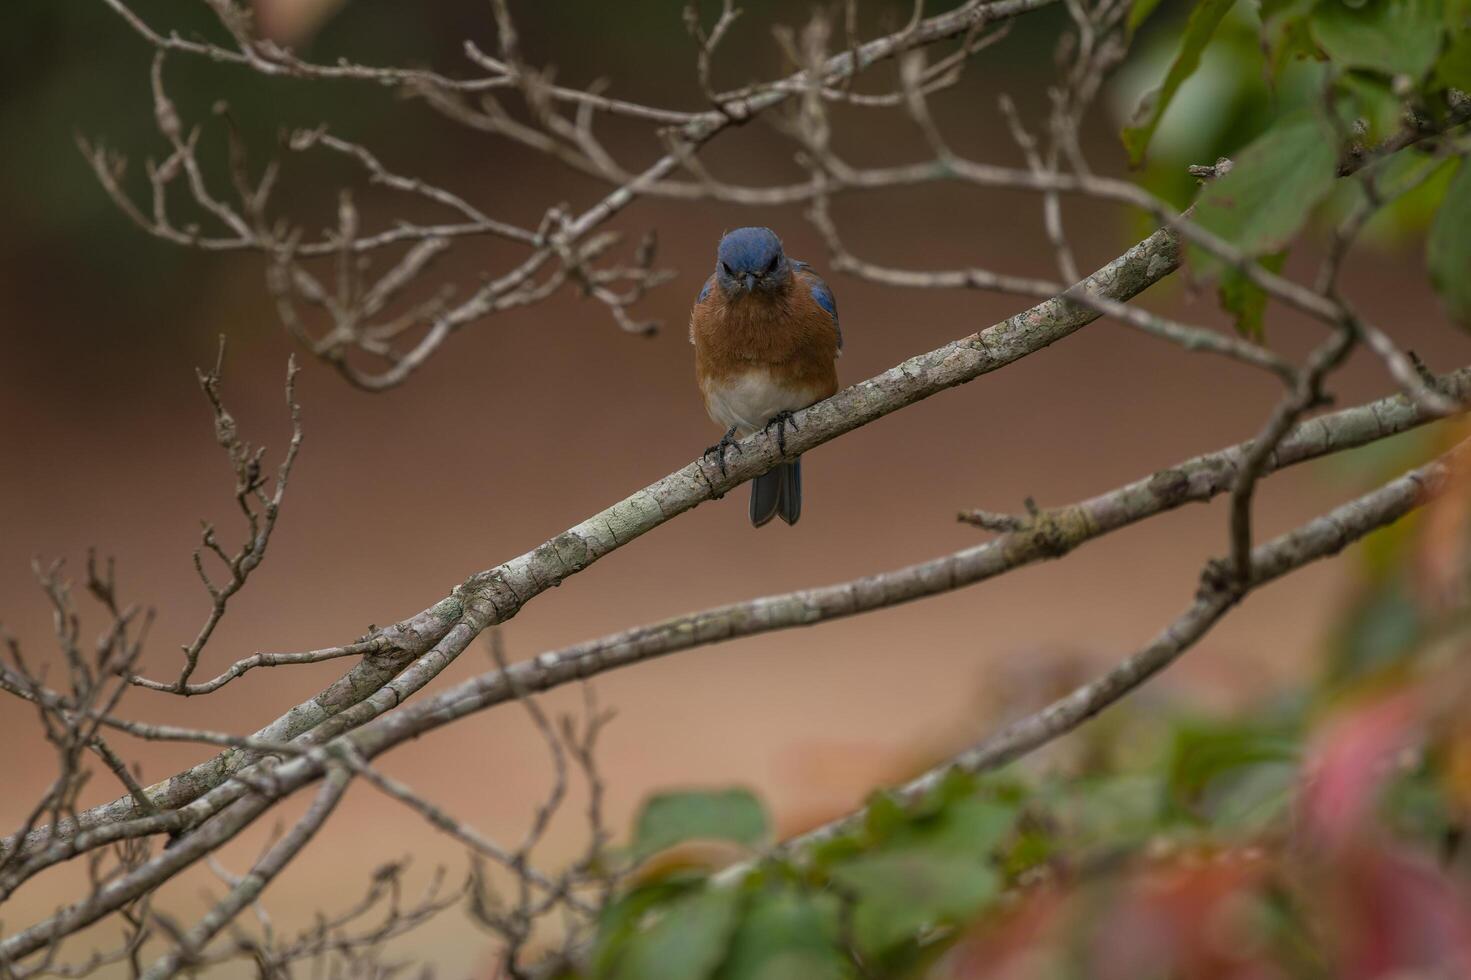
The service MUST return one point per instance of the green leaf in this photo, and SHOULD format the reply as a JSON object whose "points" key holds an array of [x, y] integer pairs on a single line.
{"points": [[899, 893], [1285, 33], [1449, 248], [669, 818], [935, 867], [621, 918], [1139, 12], [1453, 70], [1259, 798], [1032, 847], [1246, 301], [1211, 766], [885, 815], [969, 827], [787, 935], [1199, 29], [839, 848], [686, 941], [1373, 100], [1276, 182], [1415, 187], [1396, 37]]}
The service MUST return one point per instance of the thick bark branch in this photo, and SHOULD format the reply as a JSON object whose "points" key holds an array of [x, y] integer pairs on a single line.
{"points": [[1196, 479], [1051, 534], [409, 654]]}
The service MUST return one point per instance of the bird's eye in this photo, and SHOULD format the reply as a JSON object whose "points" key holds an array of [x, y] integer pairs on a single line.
{"points": [[775, 261], [725, 267]]}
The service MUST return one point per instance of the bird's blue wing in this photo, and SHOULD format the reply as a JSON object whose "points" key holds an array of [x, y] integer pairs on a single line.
{"points": [[704, 294], [822, 295]]}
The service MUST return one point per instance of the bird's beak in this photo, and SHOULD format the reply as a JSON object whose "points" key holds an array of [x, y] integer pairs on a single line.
{"points": [[750, 278]]}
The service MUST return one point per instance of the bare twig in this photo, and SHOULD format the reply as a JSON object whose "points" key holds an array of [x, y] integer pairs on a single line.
{"points": [[259, 508], [353, 295]]}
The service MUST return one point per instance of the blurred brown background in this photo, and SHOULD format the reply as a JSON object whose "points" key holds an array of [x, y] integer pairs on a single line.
{"points": [[526, 423]]}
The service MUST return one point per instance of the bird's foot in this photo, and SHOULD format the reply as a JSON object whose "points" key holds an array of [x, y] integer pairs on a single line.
{"points": [[781, 420], [718, 450]]}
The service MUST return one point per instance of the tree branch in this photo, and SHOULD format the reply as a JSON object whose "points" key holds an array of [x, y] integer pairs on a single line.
{"points": [[407, 655], [1320, 538]]}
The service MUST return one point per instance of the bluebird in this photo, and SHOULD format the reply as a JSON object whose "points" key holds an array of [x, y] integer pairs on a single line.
{"points": [[766, 337]]}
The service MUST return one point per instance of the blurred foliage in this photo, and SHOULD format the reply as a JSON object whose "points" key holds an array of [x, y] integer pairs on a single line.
{"points": [[1319, 836], [1205, 18], [1316, 836], [1285, 88], [1449, 251], [671, 818]]}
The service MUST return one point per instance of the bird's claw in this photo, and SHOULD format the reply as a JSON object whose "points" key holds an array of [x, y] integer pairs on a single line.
{"points": [[718, 450], [781, 420]]}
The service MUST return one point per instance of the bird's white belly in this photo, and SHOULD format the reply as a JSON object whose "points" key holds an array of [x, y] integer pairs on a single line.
{"points": [[748, 401]]}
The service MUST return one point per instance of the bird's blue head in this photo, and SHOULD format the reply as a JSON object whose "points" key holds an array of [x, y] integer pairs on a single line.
{"points": [[750, 260]]}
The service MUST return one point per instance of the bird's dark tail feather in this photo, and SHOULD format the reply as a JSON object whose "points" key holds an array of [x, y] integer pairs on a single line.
{"points": [[777, 493]]}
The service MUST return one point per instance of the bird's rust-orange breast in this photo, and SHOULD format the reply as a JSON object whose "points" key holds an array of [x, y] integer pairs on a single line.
{"points": [[788, 334]]}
